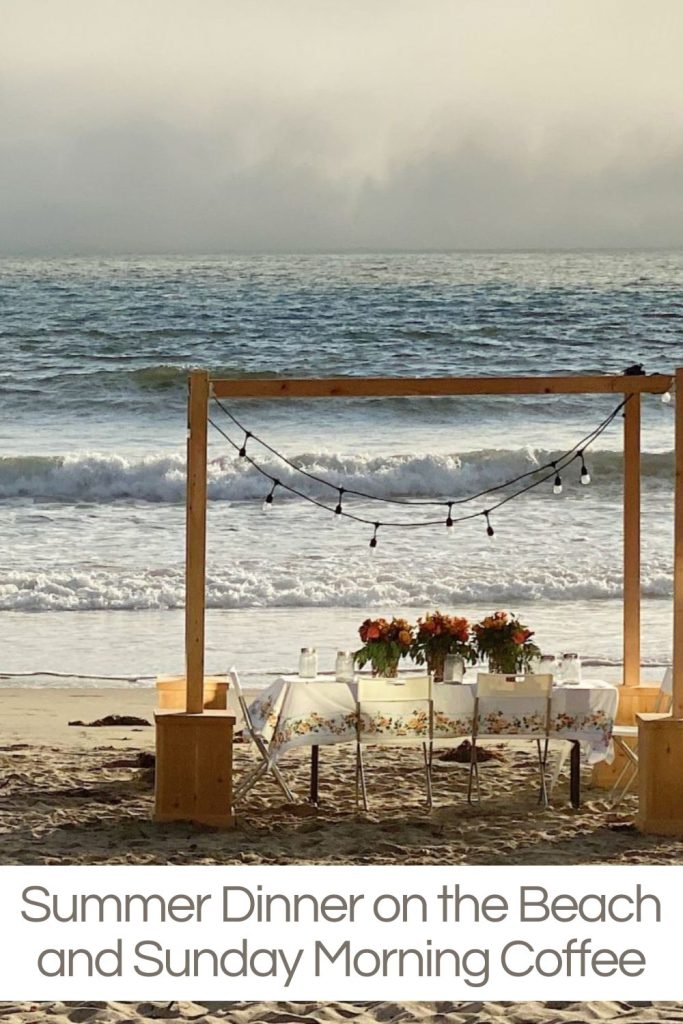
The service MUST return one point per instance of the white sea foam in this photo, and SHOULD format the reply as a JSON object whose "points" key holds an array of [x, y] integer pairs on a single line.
{"points": [[101, 478], [266, 586]]}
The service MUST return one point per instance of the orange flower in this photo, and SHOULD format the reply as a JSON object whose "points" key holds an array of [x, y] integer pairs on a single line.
{"points": [[404, 637], [373, 632]]}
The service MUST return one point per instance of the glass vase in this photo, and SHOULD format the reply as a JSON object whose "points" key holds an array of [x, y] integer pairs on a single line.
{"points": [[436, 662], [503, 664], [388, 668]]}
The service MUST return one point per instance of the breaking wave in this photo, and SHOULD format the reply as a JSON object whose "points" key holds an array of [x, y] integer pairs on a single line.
{"points": [[101, 478]]}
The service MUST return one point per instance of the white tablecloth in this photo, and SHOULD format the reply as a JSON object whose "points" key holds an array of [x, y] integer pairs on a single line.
{"points": [[294, 712]]}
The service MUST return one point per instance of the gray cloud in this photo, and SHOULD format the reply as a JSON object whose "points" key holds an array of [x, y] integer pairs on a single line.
{"points": [[322, 125]]}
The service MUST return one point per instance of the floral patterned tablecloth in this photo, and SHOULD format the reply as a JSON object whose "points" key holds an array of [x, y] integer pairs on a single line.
{"points": [[294, 712]]}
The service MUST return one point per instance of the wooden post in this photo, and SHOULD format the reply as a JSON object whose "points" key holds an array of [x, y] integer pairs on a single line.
{"points": [[660, 737], [193, 778], [677, 706], [632, 541], [195, 539], [633, 698]]}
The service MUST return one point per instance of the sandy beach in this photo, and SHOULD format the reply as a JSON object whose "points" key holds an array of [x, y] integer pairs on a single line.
{"points": [[333, 1013], [78, 794]]}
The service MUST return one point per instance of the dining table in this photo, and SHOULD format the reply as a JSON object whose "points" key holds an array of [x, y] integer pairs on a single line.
{"points": [[314, 712]]}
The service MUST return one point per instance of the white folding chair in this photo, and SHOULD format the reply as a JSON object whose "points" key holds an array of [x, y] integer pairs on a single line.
{"points": [[621, 734], [267, 764], [394, 712], [494, 688]]}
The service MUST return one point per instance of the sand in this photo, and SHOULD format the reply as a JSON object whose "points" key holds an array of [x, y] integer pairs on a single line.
{"points": [[41, 715], [84, 795], [334, 1013]]}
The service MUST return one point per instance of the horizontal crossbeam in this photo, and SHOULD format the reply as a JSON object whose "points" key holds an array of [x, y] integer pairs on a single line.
{"points": [[415, 387]]}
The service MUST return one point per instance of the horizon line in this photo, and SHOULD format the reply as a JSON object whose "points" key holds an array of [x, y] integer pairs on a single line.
{"points": [[350, 251]]}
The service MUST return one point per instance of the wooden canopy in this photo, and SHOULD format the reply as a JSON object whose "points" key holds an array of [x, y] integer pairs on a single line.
{"points": [[201, 388]]}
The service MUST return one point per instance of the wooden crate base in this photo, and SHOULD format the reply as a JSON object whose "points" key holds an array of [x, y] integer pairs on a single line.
{"points": [[632, 701], [171, 692], [660, 778], [193, 779]]}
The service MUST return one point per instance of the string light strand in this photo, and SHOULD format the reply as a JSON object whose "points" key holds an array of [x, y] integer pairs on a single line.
{"points": [[561, 462], [339, 511]]}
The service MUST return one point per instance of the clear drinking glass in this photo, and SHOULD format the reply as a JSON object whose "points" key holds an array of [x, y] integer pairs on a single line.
{"points": [[308, 663], [344, 669], [571, 669], [453, 669]]}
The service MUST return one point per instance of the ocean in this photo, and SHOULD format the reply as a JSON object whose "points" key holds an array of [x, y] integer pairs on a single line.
{"points": [[95, 354]]}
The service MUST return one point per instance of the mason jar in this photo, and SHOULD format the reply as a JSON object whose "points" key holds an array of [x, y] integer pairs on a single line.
{"points": [[344, 667], [571, 669], [545, 664], [308, 663], [453, 668]]}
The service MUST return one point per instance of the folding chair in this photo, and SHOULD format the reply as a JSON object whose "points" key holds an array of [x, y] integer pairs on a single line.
{"points": [[389, 698], [622, 733], [267, 761], [536, 691]]}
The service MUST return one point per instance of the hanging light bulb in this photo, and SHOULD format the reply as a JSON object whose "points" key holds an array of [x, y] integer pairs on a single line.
{"points": [[373, 539], [557, 484], [585, 475], [243, 449], [268, 501], [338, 510], [666, 397], [450, 530], [489, 529]]}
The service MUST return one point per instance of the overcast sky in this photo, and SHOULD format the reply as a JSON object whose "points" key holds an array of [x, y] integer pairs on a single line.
{"points": [[218, 125]]}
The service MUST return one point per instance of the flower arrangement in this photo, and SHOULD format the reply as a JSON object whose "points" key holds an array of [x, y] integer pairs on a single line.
{"points": [[384, 644], [436, 636], [506, 642]]}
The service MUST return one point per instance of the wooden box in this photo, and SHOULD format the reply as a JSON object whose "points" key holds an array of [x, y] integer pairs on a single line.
{"points": [[193, 778], [660, 775], [171, 693]]}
